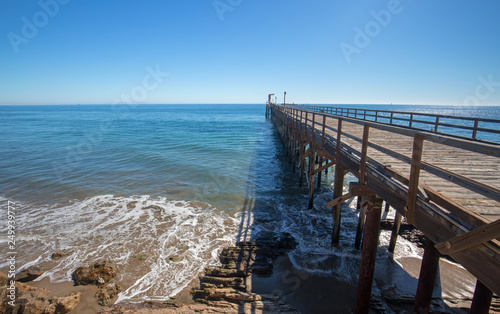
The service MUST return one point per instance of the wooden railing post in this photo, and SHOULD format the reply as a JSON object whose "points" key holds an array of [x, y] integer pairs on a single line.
{"points": [[313, 124], [339, 139], [323, 135], [300, 124], [416, 161], [364, 151], [474, 131], [305, 124]]}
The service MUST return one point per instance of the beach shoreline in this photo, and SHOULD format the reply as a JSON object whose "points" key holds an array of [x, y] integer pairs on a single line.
{"points": [[395, 279]]}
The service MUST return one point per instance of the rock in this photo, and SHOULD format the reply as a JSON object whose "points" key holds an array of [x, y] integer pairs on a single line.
{"points": [[3, 279], [29, 274], [58, 255], [64, 304], [106, 293], [30, 299], [97, 274], [221, 272], [27, 299]]}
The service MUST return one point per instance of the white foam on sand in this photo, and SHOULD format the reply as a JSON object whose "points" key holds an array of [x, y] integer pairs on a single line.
{"points": [[158, 245]]}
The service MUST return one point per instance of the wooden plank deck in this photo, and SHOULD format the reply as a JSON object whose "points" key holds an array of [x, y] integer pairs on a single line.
{"points": [[459, 182], [473, 165]]}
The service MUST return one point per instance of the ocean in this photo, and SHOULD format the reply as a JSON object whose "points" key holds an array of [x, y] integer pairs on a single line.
{"points": [[160, 190]]}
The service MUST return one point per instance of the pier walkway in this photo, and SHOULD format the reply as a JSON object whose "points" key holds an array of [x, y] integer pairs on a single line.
{"points": [[441, 173]]}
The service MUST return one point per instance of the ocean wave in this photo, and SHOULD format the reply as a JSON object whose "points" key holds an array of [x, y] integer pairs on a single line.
{"points": [[158, 245]]}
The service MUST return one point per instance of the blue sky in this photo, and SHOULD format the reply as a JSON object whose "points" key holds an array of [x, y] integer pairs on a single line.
{"points": [[443, 52]]}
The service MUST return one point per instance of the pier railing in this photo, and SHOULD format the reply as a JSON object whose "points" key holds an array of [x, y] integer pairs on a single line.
{"points": [[481, 129]]}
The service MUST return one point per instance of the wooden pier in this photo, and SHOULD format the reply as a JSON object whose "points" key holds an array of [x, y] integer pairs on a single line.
{"points": [[447, 186]]}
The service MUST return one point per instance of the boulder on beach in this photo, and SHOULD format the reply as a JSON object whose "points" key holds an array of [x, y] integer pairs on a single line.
{"points": [[106, 293], [29, 274], [30, 299], [97, 274]]}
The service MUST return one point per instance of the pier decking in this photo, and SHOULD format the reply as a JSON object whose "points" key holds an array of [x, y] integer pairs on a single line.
{"points": [[446, 185]]}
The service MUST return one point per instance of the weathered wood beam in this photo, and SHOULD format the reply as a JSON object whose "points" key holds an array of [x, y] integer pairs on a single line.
{"points": [[339, 200], [414, 177], [364, 152], [472, 238], [318, 171], [339, 139], [328, 165], [325, 154]]}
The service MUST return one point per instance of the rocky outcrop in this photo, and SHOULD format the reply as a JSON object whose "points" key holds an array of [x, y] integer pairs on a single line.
{"points": [[97, 274], [29, 299], [29, 274], [228, 286]]}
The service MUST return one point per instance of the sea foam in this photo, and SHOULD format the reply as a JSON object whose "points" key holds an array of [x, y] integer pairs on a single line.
{"points": [[158, 245]]}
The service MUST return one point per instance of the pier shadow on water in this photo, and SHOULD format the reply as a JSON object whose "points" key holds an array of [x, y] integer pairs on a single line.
{"points": [[283, 255]]}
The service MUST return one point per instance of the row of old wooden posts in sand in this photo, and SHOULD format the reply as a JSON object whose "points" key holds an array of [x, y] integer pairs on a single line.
{"points": [[458, 212]]}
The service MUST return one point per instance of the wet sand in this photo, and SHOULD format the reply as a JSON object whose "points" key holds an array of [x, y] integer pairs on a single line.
{"points": [[395, 286], [88, 302]]}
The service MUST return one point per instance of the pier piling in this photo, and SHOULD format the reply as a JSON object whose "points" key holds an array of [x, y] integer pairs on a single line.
{"points": [[373, 207], [427, 278], [481, 301], [338, 188]]}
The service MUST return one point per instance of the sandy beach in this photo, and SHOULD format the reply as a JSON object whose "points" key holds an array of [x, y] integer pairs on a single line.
{"points": [[308, 292]]}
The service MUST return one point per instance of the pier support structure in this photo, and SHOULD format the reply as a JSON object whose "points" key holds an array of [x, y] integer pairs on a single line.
{"points": [[373, 207], [427, 278], [417, 202], [337, 209], [481, 301], [395, 231]]}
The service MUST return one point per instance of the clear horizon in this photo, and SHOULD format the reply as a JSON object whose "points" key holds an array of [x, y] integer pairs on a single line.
{"points": [[72, 52]]}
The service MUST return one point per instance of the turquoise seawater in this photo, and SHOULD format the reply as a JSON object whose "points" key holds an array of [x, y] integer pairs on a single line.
{"points": [[194, 152], [139, 185]]}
